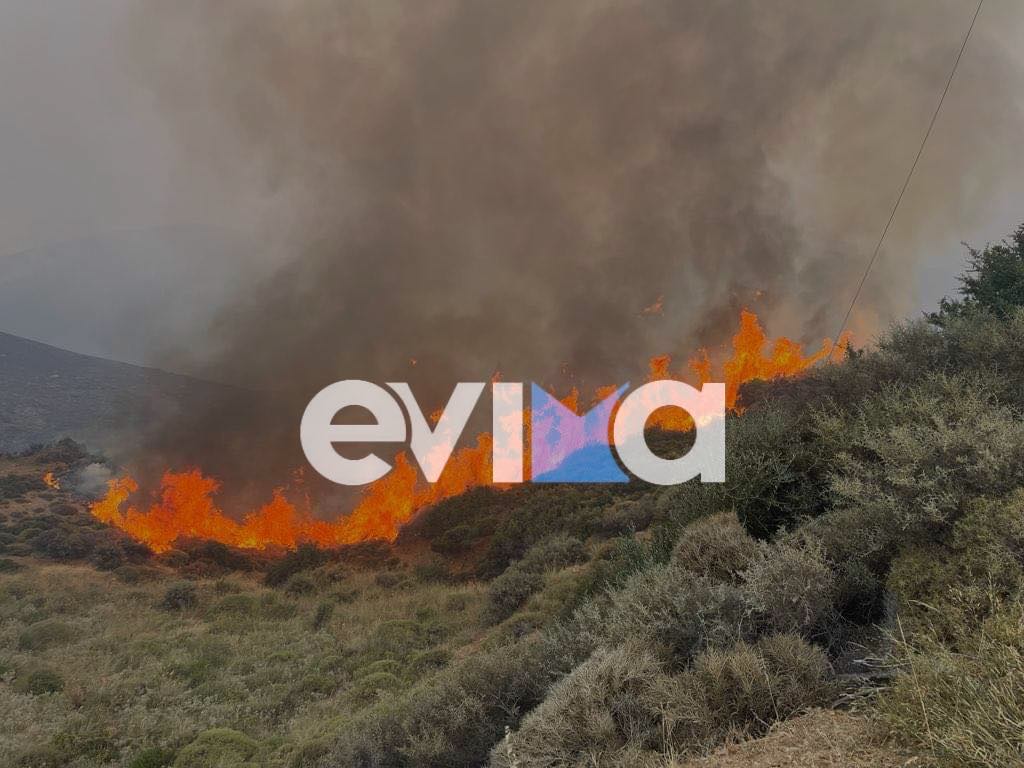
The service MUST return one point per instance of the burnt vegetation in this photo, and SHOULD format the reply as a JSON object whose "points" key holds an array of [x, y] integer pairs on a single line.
{"points": [[867, 545]]}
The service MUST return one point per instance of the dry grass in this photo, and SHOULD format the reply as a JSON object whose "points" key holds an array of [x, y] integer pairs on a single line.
{"points": [[819, 739], [244, 657]]}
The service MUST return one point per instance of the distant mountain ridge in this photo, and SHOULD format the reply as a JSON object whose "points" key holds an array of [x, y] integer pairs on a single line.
{"points": [[47, 393]]}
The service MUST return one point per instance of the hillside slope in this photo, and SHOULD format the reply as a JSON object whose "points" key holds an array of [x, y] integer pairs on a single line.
{"points": [[47, 393]]}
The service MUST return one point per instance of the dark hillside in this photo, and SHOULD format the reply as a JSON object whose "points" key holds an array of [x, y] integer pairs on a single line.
{"points": [[48, 393]]}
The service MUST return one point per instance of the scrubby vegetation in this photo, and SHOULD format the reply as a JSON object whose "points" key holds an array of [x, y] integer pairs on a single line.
{"points": [[868, 545]]}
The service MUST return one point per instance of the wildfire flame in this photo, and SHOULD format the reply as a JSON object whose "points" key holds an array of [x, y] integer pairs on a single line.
{"points": [[186, 509], [51, 481]]}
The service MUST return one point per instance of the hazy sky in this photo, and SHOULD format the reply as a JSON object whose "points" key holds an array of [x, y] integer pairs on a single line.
{"points": [[98, 253], [106, 247]]}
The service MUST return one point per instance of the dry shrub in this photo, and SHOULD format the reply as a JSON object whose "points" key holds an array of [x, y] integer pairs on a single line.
{"points": [[717, 547], [454, 718], [747, 688], [604, 707], [676, 613], [622, 707], [790, 587]]}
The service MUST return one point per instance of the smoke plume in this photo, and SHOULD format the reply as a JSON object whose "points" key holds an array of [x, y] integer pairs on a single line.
{"points": [[482, 186]]}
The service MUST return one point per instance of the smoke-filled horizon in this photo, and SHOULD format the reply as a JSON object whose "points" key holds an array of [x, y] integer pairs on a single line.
{"points": [[507, 186]]}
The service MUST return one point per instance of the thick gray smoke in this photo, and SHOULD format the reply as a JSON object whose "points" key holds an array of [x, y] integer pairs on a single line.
{"points": [[507, 185]]}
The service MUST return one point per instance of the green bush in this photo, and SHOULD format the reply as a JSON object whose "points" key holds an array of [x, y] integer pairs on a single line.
{"points": [[300, 584], [39, 681], [400, 639], [454, 718], [179, 597], [509, 591], [62, 543], [7, 565], [215, 557], [45, 634], [108, 557], [911, 460], [153, 757], [368, 687], [617, 561], [626, 516], [18, 486], [219, 748], [949, 590], [553, 553], [455, 541], [776, 473], [306, 557], [433, 570], [428, 661], [85, 741], [993, 282]]}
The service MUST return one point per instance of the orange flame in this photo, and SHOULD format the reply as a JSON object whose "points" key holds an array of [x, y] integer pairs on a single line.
{"points": [[51, 481], [186, 508]]}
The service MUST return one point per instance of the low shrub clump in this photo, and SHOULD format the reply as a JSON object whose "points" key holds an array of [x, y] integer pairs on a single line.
{"points": [[717, 547], [623, 707], [553, 553], [39, 681], [676, 613], [45, 634], [790, 587], [179, 597], [153, 757], [219, 748], [509, 591]]}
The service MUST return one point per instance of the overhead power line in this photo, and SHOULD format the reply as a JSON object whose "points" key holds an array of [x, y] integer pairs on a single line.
{"points": [[910, 175]]}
